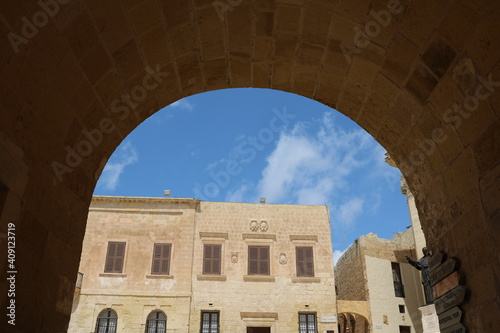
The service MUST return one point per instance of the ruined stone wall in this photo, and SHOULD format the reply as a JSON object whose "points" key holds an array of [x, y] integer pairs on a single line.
{"points": [[368, 262], [350, 275]]}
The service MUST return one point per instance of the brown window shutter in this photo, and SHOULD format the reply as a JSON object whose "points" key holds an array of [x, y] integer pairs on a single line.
{"points": [[216, 259], [300, 261], [108, 266], [110, 258], [155, 269], [165, 265], [161, 259], [258, 260], [114, 257], [253, 259], [120, 254], [207, 256], [309, 261], [305, 261], [264, 260], [212, 258]]}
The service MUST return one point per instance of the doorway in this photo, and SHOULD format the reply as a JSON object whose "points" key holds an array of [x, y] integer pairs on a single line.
{"points": [[258, 329], [404, 329]]}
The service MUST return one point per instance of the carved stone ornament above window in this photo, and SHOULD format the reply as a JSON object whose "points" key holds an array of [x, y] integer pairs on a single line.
{"points": [[264, 226], [254, 225]]}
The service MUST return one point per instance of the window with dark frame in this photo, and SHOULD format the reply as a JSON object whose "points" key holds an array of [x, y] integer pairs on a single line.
{"points": [[209, 322], [307, 322], [212, 259], [106, 321], [305, 261], [258, 260], [156, 322], [401, 309], [404, 329], [399, 289], [115, 257], [161, 259]]}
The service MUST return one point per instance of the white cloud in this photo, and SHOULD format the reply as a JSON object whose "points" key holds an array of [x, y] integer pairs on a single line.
{"points": [[110, 176], [182, 104], [376, 200], [240, 194], [314, 168], [336, 256], [348, 212]]}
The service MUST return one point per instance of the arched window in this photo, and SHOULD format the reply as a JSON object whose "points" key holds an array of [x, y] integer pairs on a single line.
{"points": [[157, 322], [106, 321]]}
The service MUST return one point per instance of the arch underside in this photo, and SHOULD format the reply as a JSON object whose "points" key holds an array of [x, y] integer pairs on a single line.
{"points": [[420, 77]]}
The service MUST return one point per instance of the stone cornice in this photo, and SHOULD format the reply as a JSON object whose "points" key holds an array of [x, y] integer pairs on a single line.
{"points": [[255, 315], [170, 200], [259, 236], [214, 235], [304, 238]]}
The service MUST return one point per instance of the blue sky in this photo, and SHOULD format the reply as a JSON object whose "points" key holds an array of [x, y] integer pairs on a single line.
{"points": [[239, 145]]}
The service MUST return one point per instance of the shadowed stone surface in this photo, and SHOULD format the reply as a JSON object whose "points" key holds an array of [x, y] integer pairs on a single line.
{"points": [[421, 77]]}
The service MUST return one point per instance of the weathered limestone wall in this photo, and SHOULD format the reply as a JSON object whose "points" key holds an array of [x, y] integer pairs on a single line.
{"points": [[132, 311], [384, 305], [188, 224], [287, 226], [133, 294], [357, 307], [367, 263], [350, 275]]}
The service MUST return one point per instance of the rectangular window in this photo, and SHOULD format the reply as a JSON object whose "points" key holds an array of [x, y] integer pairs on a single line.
{"points": [[401, 309], [258, 260], [209, 322], [404, 329], [212, 259], [305, 261], [307, 322], [161, 259], [115, 257], [399, 289]]}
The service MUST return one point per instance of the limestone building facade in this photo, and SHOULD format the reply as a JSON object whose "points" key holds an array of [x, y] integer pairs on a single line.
{"points": [[377, 290], [375, 271], [182, 265]]}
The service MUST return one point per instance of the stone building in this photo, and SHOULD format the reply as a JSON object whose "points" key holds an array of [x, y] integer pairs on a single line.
{"points": [[184, 265], [377, 290], [375, 271]]}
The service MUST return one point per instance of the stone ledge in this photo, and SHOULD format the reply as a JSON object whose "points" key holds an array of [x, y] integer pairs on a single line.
{"points": [[113, 274], [202, 277], [136, 210], [255, 315], [304, 238], [258, 278], [259, 236], [305, 279], [159, 276], [214, 235]]}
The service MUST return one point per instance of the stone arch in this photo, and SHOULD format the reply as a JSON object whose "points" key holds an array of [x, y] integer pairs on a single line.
{"points": [[78, 76], [350, 322]]}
